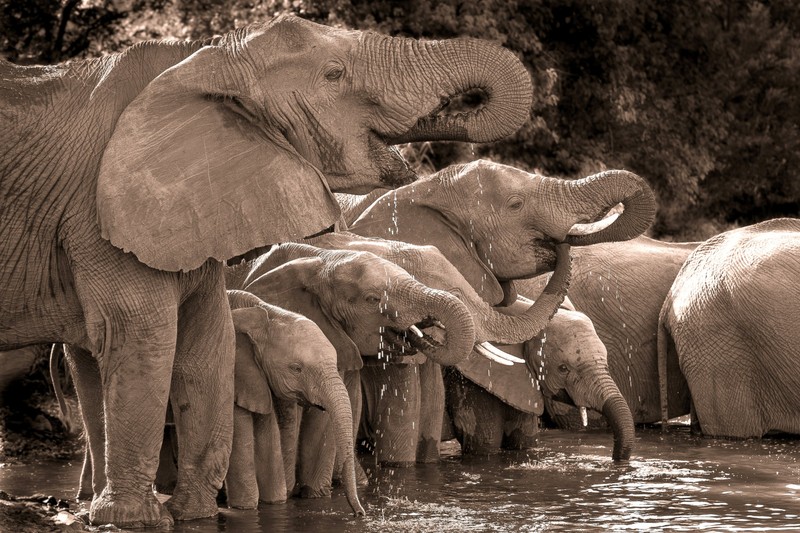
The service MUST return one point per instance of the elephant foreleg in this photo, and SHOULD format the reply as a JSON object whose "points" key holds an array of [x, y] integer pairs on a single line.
{"points": [[431, 388], [241, 485], [317, 451], [269, 467], [202, 397]]}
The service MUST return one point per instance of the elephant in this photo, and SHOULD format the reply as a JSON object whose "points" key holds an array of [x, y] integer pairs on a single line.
{"points": [[570, 363], [498, 224], [283, 354], [403, 431], [621, 287], [365, 305], [127, 180], [731, 319]]}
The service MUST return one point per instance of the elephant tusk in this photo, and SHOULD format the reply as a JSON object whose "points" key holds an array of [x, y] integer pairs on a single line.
{"points": [[416, 331], [496, 354], [594, 227], [439, 324], [523, 300], [584, 416]]}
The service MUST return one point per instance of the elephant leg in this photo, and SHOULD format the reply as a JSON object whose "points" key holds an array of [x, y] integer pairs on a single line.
{"points": [[241, 485], [86, 378], [317, 451], [202, 396], [167, 473], [395, 418], [477, 415], [269, 467], [288, 413], [431, 388], [520, 429]]}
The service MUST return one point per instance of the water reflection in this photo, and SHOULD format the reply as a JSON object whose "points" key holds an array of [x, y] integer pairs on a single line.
{"points": [[674, 482]]}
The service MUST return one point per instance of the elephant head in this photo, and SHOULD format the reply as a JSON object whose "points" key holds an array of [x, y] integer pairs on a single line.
{"points": [[571, 363], [429, 266], [497, 223], [282, 353], [365, 304], [231, 131]]}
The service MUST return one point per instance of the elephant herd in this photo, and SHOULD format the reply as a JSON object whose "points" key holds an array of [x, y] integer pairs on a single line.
{"points": [[370, 304]]}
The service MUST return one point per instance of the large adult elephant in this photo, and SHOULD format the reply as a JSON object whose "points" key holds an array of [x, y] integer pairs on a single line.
{"points": [[621, 287], [732, 317], [402, 428], [498, 224], [126, 179]]}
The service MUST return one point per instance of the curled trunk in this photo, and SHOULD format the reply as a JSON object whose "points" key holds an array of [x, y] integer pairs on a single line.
{"points": [[447, 69], [597, 195], [335, 400]]}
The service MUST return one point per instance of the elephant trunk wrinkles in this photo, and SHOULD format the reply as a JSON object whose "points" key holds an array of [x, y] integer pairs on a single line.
{"points": [[450, 311], [596, 195], [451, 68], [619, 416], [336, 401], [510, 329]]}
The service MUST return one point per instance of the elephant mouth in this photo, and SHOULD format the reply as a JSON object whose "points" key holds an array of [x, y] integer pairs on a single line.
{"points": [[393, 169], [426, 334]]}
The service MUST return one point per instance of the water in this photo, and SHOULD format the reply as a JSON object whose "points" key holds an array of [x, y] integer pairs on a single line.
{"points": [[674, 482]]}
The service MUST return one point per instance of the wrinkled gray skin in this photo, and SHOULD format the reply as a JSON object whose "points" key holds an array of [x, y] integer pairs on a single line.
{"points": [[283, 354], [414, 436], [731, 317], [186, 154], [498, 224], [621, 287], [365, 305]]}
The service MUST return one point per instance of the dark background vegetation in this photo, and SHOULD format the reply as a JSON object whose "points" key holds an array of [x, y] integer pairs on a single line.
{"points": [[698, 96]]}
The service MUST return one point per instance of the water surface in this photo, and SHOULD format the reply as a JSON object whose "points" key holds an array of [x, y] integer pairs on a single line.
{"points": [[674, 482]]}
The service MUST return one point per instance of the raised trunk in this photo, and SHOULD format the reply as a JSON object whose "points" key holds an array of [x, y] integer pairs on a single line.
{"points": [[587, 200], [335, 400], [440, 70], [619, 417]]}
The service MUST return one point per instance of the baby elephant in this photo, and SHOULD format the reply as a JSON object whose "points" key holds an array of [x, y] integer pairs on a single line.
{"points": [[285, 355]]}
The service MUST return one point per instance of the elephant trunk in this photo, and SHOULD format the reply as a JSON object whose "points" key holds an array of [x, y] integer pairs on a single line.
{"points": [[458, 328], [619, 417], [239, 299], [440, 70], [494, 326], [595, 196], [336, 402]]}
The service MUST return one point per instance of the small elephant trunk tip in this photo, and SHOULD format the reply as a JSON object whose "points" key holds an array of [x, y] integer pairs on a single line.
{"points": [[619, 417]]}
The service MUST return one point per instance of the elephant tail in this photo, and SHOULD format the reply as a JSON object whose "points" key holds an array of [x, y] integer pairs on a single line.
{"points": [[662, 344]]}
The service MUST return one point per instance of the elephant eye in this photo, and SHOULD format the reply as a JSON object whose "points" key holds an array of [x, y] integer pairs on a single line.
{"points": [[295, 368], [334, 72], [515, 203], [563, 368], [373, 300]]}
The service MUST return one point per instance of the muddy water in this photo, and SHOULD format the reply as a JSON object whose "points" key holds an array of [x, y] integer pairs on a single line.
{"points": [[674, 482]]}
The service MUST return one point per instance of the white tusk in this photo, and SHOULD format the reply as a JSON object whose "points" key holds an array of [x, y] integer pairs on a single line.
{"points": [[490, 356], [416, 331], [439, 324], [594, 227], [497, 352], [523, 300], [584, 416]]}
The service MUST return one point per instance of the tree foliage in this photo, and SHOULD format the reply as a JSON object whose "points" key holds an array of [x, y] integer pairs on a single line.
{"points": [[698, 96]]}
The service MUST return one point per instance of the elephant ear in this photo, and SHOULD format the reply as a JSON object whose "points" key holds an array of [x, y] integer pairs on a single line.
{"points": [[514, 385], [188, 175], [251, 388], [290, 286]]}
